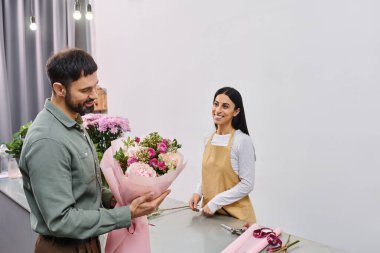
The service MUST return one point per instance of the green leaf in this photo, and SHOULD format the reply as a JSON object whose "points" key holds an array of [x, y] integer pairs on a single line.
{"points": [[15, 145], [121, 158]]}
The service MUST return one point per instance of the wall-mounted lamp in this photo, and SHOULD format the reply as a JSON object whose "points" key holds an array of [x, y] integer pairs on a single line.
{"points": [[33, 25], [89, 14], [76, 14]]}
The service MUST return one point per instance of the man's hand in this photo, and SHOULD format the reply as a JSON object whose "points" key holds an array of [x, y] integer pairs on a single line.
{"points": [[145, 205], [113, 202], [193, 202]]}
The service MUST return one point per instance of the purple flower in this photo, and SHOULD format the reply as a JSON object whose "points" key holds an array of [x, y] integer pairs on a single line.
{"points": [[91, 119], [162, 148], [114, 130], [137, 139], [114, 124]]}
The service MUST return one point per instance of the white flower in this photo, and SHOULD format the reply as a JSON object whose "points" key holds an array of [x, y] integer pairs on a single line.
{"points": [[132, 150]]}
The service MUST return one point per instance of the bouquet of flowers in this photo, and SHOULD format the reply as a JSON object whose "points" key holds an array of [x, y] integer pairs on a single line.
{"points": [[103, 129], [133, 167], [151, 157]]}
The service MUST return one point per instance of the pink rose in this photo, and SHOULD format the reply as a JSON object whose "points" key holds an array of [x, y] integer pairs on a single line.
{"points": [[132, 160], [161, 165], [152, 152], [162, 148], [154, 162], [137, 139]]}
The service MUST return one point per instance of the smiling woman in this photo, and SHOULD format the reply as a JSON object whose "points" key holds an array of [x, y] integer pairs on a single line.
{"points": [[228, 161], [223, 111]]}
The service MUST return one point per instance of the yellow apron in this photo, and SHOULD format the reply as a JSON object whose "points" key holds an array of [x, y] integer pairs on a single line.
{"points": [[218, 176]]}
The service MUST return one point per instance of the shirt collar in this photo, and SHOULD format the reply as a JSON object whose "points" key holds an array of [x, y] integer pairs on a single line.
{"points": [[60, 116]]}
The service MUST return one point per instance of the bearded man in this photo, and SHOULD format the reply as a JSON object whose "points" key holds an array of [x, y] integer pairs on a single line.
{"points": [[61, 173]]}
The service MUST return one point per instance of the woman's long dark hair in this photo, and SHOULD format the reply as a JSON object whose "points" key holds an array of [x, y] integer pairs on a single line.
{"points": [[238, 122]]}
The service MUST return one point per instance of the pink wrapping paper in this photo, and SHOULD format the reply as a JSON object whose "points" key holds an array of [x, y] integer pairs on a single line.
{"points": [[246, 243], [125, 189]]}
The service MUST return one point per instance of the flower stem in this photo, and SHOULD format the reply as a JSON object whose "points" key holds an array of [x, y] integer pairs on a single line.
{"points": [[173, 208], [286, 247]]}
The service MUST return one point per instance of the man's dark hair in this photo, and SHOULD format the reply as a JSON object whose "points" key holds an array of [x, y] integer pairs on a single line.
{"points": [[69, 65]]}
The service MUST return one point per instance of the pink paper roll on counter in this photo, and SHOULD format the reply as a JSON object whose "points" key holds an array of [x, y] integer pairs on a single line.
{"points": [[246, 243]]}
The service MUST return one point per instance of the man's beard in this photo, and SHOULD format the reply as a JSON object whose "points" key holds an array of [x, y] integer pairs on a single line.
{"points": [[82, 109]]}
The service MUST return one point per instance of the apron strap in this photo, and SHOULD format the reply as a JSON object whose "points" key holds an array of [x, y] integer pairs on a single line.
{"points": [[231, 138], [210, 139]]}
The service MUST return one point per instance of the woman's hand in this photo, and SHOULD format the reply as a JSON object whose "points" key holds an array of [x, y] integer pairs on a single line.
{"points": [[206, 211], [193, 202]]}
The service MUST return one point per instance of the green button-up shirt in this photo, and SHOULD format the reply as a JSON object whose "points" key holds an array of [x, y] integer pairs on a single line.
{"points": [[62, 181]]}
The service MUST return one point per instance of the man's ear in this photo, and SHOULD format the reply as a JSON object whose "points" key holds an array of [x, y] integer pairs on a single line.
{"points": [[59, 89]]}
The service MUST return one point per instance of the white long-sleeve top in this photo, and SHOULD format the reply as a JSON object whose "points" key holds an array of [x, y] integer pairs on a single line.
{"points": [[243, 163]]}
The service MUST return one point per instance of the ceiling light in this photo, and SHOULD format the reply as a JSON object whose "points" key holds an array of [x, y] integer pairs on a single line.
{"points": [[76, 14]]}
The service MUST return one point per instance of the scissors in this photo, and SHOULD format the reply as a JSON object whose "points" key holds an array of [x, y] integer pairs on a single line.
{"points": [[234, 231]]}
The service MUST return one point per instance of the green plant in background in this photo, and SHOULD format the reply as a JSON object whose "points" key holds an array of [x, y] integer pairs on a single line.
{"points": [[102, 129], [15, 145]]}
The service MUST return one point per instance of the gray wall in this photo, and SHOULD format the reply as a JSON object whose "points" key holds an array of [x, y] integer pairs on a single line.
{"points": [[308, 72]]}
